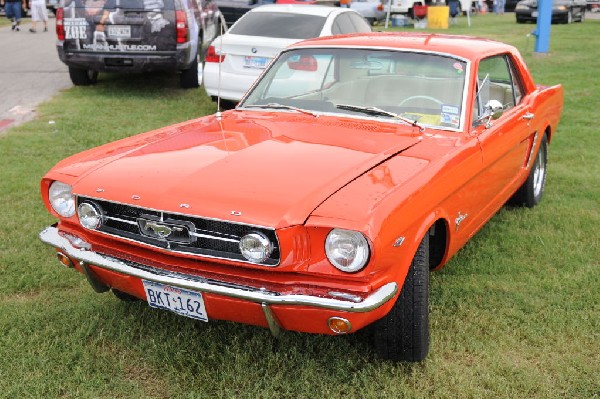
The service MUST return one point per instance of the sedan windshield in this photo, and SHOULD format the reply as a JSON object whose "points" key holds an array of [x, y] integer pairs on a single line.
{"points": [[279, 25], [424, 89]]}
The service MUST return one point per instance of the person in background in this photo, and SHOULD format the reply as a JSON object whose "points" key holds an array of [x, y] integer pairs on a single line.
{"points": [[38, 13], [13, 12], [499, 6], [345, 3]]}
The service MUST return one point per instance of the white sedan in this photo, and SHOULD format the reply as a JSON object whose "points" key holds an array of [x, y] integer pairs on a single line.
{"points": [[235, 59]]}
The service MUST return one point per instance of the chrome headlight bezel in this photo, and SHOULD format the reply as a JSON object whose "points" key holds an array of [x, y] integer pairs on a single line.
{"points": [[61, 198], [347, 250], [90, 215], [256, 247]]}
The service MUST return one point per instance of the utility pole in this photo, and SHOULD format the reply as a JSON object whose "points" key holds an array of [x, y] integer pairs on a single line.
{"points": [[542, 32]]}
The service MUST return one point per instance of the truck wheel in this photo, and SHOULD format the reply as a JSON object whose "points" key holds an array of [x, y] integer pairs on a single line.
{"points": [[189, 77], [403, 334], [531, 192], [83, 77], [124, 296]]}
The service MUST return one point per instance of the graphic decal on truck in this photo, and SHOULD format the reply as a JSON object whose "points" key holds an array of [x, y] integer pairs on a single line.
{"points": [[116, 25]]}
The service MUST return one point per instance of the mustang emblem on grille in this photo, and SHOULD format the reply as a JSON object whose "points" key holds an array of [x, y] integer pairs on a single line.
{"points": [[161, 230], [166, 230]]}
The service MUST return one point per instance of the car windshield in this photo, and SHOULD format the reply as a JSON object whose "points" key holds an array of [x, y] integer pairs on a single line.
{"points": [[427, 89], [279, 25]]}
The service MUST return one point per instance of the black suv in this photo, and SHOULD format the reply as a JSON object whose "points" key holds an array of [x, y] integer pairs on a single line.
{"points": [[135, 36]]}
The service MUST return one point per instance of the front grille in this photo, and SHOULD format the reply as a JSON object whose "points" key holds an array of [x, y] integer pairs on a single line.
{"points": [[186, 234]]}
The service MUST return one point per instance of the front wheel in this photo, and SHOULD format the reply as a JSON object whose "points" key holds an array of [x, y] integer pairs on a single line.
{"points": [[531, 192], [403, 334], [82, 77]]}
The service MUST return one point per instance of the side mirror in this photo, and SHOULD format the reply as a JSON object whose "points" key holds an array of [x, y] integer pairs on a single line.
{"points": [[494, 109]]}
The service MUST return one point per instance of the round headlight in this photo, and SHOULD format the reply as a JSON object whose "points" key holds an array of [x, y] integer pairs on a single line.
{"points": [[62, 199], [347, 250], [90, 216], [256, 247]]}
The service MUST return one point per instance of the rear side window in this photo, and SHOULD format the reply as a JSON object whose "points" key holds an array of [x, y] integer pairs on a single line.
{"points": [[360, 25], [349, 22], [279, 25], [154, 5]]}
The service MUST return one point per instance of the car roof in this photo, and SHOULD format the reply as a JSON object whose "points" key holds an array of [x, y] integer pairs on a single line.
{"points": [[308, 9], [468, 47]]}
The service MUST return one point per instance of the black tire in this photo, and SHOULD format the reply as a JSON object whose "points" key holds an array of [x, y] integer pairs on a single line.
{"points": [[189, 77], [124, 296], [83, 77], [403, 334], [531, 192], [520, 20], [569, 17]]}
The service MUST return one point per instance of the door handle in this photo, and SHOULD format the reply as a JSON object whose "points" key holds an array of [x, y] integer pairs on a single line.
{"points": [[528, 116]]}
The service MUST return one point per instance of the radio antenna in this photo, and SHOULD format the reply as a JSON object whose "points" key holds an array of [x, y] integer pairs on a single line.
{"points": [[222, 26]]}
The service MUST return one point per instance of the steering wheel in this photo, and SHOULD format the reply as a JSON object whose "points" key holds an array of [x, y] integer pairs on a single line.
{"points": [[413, 98]]}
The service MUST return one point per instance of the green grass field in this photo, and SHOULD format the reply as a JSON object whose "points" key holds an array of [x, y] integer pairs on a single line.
{"points": [[516, 314]]}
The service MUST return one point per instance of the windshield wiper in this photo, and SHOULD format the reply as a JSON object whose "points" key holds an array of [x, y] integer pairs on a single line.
{"points": [[378, 111], [280, 106]]}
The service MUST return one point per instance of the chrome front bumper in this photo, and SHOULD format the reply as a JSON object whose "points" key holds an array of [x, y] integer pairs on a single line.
{"points": [[262, 296]]}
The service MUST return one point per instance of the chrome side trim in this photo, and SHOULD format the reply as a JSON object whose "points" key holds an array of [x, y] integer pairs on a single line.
{"points": [[535, 138], [378, 298]]}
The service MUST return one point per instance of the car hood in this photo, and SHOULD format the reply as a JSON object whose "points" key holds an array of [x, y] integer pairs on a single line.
{"points": [[267, 169]]}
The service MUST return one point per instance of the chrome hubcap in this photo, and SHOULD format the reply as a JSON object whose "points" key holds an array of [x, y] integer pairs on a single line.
{"points": [[539, 172]]}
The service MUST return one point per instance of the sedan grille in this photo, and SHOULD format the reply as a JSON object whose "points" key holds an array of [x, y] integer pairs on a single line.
{"points": [[179, 233]]}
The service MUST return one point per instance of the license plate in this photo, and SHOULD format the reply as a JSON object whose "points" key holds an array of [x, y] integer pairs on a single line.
{"points": [[534, 14], [183, 302], [119, 31], [256, 62]]}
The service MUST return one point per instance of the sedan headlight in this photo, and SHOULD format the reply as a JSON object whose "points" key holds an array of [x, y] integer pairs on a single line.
{"points": [[560, 8], [347, 250], [62, 199], [256, 247]]}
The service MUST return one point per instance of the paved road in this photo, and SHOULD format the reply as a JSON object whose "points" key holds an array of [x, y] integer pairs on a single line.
{"points": [[30, 72]]}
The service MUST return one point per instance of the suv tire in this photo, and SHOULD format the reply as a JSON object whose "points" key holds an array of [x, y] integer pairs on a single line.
{"points": [[189, 77], [83, 77]]}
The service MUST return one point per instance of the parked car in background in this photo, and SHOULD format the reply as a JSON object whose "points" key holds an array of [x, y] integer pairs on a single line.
{"points": [[233, 10], [235, 59], [564, 11], [134, 36], [372, 10], [354, 166]]}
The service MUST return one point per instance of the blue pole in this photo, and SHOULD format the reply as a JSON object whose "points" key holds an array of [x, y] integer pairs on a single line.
{"points": [[542, 33]]}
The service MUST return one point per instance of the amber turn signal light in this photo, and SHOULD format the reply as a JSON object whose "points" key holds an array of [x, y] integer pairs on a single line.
{"points": [[62, 258], [339, 325]]}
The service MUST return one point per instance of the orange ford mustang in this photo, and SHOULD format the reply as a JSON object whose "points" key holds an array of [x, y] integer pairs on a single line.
{"points": [[354, 166]]}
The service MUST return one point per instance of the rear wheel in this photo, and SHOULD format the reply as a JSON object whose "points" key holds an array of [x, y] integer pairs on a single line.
{"points": [[82, 77], [403, 334], [189, 77], [531, 192]]}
